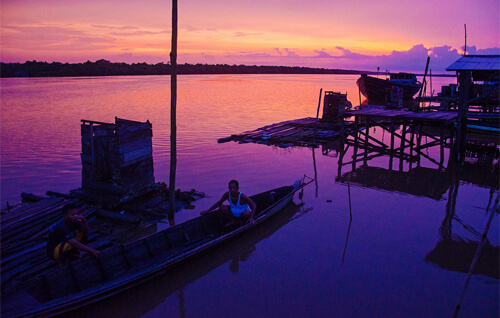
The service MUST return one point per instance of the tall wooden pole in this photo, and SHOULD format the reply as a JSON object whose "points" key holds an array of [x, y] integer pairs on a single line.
{"points": [[465, 46], [173, 115], [464, 79]]}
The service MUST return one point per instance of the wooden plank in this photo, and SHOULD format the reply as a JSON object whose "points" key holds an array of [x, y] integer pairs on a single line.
{"points": [[176, 237], [61, 282], [136, 252], [195, 230], [135, 145], [127, 158], [132, 136], [114, 262], [158, 243]]}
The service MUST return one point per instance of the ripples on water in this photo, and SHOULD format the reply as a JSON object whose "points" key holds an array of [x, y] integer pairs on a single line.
{"points": [[319, 265]]}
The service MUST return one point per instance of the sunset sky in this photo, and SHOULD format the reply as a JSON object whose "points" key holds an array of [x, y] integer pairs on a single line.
{"points": [[355, 34]]}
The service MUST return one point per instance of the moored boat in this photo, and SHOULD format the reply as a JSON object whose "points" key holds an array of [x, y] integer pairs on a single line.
{"points": [[383, 90], [123, 266]]}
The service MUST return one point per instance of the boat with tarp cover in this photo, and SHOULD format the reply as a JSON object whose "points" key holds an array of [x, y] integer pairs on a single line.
{"points": [[90, 279]]}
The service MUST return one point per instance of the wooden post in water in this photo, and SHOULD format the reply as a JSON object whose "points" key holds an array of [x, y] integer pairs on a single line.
{"points": [[464, 78], [442, 142], [419, 142], [402, 144], [412, 142], [391, 157], [423, 81], [173, 112], [319, 103], [367, 135], [356, 136], [317, 115]]}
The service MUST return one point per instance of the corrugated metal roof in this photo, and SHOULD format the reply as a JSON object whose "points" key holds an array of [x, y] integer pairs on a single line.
{"points": [[476, 63]]}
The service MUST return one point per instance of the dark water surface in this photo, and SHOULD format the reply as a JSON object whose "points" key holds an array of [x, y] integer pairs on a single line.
{"points": [[396, 251]]}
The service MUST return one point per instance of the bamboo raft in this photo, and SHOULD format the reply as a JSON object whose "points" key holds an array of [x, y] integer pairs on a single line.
{"points": [[304, 132]]}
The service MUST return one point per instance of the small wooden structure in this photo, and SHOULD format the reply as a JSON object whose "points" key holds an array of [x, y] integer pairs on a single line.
{"points": [[334, 106], [117, 159]]}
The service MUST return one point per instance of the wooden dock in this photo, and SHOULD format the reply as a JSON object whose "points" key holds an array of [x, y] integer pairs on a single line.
{"points": [[429, 116], [311, 132]]}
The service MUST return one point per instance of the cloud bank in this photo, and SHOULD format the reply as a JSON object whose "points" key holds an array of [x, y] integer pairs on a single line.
{"points": [[412, 60]]}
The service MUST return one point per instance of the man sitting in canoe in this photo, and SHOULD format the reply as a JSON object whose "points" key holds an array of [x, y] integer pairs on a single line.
{"points": [[240, 209], [68, 235]]}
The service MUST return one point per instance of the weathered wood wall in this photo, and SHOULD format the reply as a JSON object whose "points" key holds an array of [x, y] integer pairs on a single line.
{"points": [[334, 106], [117, 158]]}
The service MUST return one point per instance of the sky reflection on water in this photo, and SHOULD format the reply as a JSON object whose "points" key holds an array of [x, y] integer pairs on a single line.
{"points": [[297, 267]]}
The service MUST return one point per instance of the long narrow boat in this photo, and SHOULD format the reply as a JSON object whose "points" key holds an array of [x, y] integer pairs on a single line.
{"points": [[379, 89], [120, 267]]}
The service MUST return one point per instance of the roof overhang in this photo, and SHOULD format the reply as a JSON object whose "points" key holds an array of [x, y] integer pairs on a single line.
{"points": [[483, 67]]}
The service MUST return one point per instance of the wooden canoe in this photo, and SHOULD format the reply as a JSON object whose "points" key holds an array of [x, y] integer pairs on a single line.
{"points": [[90, 279]]}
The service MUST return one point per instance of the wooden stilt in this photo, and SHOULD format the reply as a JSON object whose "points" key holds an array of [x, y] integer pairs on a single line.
{"points": [[402, 151]]}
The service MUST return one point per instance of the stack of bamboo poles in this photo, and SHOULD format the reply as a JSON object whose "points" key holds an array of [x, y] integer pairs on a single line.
{"points": [[298, 132]]}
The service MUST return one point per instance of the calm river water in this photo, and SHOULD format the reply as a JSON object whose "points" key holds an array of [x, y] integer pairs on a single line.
{"points": [[382, 243]]}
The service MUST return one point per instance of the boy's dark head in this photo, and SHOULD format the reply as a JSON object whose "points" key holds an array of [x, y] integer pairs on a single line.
{"points": [[235, 183], [67, 208]]}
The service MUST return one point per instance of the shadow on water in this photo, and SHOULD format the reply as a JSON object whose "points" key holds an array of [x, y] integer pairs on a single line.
{"points": [[149, 295], [453, 252], [481, 169]]}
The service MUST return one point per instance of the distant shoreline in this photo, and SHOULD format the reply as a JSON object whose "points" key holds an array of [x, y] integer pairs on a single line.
{"points": [[106, 68]]}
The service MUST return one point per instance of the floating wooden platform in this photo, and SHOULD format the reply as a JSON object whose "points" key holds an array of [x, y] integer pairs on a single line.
{"points": [[307, 132]]}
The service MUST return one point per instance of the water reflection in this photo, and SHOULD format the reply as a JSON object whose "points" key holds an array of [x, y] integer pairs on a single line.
{"points": [[375, 255], [453, 252]]}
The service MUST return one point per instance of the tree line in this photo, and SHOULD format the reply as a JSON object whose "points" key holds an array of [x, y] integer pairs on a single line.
{"points": [[107, 68]]}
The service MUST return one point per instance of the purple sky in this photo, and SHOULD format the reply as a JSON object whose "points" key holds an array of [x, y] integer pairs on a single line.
{"points": [[356, 34]]}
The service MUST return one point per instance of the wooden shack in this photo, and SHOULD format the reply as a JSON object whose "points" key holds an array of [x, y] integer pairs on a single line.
{"points": [[478, 89], [117, 159], [334, 105]]}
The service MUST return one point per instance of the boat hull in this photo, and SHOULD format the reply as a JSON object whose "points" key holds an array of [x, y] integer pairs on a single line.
{"points": [[89, 279], [378, 89]]}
